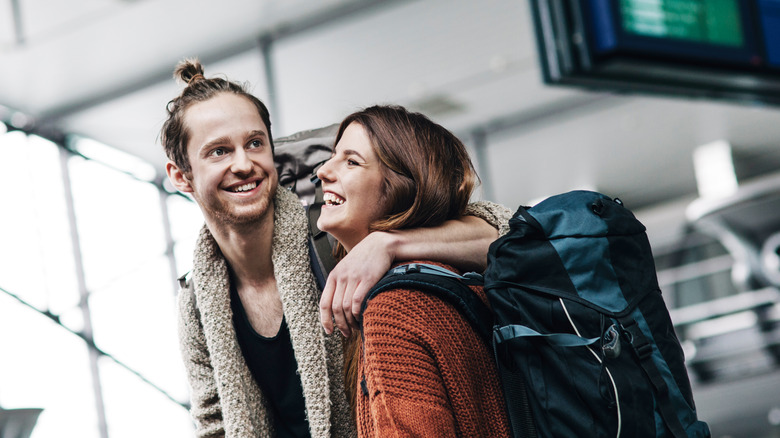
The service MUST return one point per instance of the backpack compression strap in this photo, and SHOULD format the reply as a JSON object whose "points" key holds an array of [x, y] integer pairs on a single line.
{"points": [[644, 351], [443, 284], [512, 331]]}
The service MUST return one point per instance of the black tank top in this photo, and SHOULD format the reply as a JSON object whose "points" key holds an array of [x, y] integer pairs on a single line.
{"points": [[273, 365]]}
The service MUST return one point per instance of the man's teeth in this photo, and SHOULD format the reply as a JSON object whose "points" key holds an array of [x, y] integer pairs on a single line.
{"points": [[332, 199], [246, 187]]}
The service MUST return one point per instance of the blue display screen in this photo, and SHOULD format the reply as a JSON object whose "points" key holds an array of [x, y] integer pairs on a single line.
{"points": [[769, 11], [736, 32]]}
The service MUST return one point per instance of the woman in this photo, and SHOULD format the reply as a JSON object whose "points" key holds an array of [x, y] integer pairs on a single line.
{"points": [[418, 368]]}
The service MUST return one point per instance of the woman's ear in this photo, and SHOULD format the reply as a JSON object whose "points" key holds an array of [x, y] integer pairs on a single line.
{"points": [[178, 178]]}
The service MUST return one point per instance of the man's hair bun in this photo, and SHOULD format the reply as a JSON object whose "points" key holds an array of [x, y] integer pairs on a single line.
{"points": [[188, 70]]}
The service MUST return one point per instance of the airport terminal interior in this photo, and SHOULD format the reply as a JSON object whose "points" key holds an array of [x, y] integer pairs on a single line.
{"points": [[669, 105]]}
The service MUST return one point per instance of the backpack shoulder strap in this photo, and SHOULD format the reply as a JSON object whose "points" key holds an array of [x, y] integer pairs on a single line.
{"points": [[443, 284], [320, 247]]}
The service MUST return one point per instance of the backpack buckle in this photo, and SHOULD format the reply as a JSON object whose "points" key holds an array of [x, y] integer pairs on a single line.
{"points": [[476, 276], [644, 349], [611, 348], [636, 339], [412, 268]]}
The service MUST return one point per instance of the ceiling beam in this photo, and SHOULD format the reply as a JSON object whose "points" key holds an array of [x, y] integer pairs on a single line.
{"points": [[18, 27], [126, 88], [553, 112], [328, 17]]}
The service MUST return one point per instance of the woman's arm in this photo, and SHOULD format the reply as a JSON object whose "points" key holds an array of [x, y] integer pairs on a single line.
{"points": [[462, 243]]}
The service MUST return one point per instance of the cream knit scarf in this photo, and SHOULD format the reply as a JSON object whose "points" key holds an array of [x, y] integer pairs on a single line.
{"points": [[319, 356]]}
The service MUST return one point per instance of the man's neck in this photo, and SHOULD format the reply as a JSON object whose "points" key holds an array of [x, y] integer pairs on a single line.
{"points": [[247, 250]]}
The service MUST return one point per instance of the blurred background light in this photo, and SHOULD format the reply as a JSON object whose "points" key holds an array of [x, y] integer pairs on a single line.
{"points": [[114, 158]]}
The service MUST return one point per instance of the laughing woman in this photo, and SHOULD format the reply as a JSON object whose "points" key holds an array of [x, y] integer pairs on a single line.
{"points": [[418, 368]]}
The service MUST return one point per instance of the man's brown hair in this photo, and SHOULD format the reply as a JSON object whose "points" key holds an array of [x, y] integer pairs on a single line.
{"points": [[174, 135]]}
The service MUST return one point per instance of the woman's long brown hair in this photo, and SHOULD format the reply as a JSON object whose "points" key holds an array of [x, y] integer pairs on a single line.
{"points": [[428, 179]]}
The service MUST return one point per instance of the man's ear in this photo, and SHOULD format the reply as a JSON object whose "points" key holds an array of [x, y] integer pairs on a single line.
{"points": [[178, 178]]}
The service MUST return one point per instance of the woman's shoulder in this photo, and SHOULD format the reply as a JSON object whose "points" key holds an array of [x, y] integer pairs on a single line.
{"points": [[409, 304], [476, 289]]}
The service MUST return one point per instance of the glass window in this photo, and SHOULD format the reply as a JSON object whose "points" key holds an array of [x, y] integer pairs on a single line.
{"points": [[43, 366], [131, 286], [696, 270], [131, 291], [186, 222], [36, 259]]}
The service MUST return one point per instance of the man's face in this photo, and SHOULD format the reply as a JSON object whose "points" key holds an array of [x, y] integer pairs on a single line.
{"points": [[233, 177]]}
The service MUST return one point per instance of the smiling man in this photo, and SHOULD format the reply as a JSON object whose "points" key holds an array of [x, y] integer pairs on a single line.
{"points": [[258, 361]]}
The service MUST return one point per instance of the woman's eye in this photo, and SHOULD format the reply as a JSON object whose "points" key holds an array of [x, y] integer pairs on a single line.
{"points": [[353, 163]]}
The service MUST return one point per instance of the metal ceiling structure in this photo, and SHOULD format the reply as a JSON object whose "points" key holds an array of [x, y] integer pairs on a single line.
{"points": [[103, 70]]}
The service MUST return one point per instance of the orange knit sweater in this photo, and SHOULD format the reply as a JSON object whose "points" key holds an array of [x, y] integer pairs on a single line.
{"points": [[427, 372]]}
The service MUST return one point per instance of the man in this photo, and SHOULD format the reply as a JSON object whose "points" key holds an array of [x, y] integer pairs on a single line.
{"points": [[258, 361]]}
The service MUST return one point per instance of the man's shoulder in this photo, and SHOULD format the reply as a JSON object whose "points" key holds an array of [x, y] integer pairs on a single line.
{"points": [[185, 280], [188, 308], [287, 201], [186, 295]]}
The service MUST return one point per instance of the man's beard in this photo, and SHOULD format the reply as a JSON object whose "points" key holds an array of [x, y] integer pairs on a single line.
{"points": [[227, 215], [238, 216]]}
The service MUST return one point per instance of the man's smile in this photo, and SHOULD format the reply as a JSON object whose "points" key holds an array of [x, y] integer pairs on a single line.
{"points": [[243, 188]]}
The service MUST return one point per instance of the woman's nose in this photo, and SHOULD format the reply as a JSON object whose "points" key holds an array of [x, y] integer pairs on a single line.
{"points": [[324, 172]]}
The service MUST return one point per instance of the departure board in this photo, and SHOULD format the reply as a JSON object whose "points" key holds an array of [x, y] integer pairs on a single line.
{"points": [[715, 22], [710, 49]]}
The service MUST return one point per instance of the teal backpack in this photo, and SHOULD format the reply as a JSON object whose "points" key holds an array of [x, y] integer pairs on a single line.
{"points": [[582, 337]]}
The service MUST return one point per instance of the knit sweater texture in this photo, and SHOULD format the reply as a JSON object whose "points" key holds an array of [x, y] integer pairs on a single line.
{"points": [[427, 373], [225, 399]]}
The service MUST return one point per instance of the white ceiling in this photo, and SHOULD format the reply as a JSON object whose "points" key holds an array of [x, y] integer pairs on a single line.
{"points": [[102, 68]]}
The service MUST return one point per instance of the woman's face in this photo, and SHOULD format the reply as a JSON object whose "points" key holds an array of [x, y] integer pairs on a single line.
{"points": [[352, 183]]}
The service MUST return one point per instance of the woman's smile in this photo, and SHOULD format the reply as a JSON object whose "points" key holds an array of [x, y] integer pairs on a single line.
{"points": [[331, 199], [352, 183]]}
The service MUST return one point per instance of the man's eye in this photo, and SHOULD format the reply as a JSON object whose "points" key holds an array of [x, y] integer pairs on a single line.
{"points": [[256, 143], [320, 164], [218, 152]]}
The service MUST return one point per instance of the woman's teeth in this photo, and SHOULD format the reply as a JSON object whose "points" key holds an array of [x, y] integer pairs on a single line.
{"points": [[332, 199]]}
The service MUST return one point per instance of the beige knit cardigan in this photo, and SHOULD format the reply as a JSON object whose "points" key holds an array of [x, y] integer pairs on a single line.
{"points": [[226, 401]]}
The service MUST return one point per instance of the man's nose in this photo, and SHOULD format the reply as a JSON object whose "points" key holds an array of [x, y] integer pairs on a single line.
{"points": [[241, 162]]}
